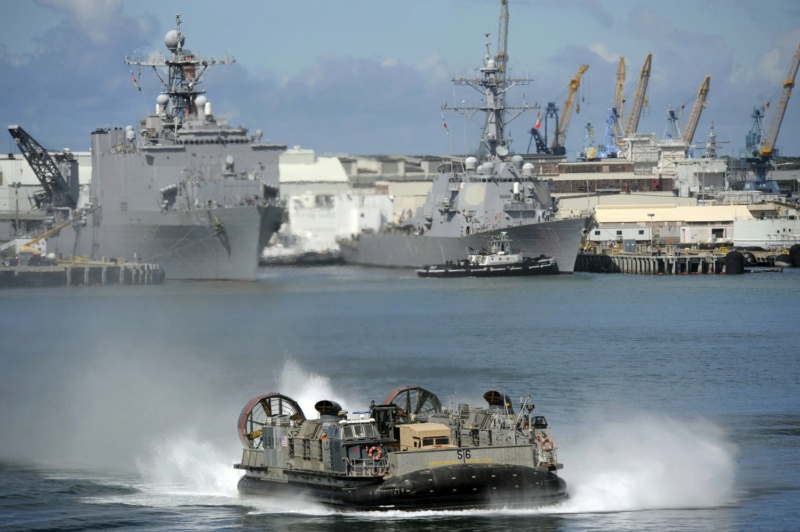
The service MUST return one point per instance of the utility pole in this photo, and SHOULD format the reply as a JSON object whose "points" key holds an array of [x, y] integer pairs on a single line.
{"points": [[16, 186]]}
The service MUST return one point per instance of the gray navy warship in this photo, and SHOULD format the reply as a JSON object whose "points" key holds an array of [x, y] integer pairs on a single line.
{"points": [[475, 200], [408, 453], [189, 192]]}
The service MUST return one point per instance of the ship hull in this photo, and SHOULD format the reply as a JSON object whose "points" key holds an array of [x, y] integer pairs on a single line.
{"points": [[560, 239], [213, 244], [518, 269], [453, 487]]}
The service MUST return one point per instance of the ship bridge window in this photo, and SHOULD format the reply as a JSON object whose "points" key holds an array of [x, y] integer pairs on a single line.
{"points": [[539, 422], [359, 430], [439, 440]]}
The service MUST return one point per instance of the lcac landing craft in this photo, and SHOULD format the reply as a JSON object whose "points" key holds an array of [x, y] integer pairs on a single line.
{"points": [[408, 453]]}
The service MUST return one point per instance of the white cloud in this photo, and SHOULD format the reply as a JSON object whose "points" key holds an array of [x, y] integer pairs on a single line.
{"points": [[602, 51], [435, 68], [94, 18]]}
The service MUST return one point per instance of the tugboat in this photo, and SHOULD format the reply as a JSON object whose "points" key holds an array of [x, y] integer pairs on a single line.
{"points": [[499, 261], [408, 453]]}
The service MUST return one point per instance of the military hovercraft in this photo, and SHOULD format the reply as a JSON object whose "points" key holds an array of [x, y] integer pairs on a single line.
{"points": [[408, 453]]}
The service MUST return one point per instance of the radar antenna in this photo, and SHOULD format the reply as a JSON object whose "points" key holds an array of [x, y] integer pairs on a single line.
{"points": [[184, 73], [493, 84]]}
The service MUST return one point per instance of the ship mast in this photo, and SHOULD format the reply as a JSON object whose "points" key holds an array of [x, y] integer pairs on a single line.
{"points": [[493, 82], [184, 73]]}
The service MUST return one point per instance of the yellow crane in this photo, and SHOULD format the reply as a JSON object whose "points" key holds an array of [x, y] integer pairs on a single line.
{"points": [[697, 109], [619, 98], [768, 144], [560, 138], [501, 57], [639, 97], [28, 246]]}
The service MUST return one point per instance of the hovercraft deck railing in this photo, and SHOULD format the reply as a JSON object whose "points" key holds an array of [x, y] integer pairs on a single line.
{"points": [[366, 467]]}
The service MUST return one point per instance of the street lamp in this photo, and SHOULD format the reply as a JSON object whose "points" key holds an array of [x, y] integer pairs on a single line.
{"points": [[651, 214], [16, 186]]}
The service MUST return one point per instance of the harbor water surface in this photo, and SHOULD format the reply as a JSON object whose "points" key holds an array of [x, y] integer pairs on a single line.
{"points": [[674, 399]]}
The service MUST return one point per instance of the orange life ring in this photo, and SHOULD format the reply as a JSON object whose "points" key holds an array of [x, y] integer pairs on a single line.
{"points": [[375, 453], [549, 447]]}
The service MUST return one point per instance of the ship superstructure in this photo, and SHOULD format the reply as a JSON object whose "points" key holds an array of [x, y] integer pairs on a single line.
{"points": [[187, 190], [474, 200], [408, 453]]}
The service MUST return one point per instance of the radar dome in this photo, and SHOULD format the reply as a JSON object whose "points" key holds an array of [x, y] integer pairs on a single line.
{"points": [[173, 39], [471, 163], [200, 101], [527, 169], [517, 160], [162, 99]]}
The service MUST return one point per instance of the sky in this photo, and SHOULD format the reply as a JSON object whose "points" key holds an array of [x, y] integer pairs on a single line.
{"points": [[366, 77]]}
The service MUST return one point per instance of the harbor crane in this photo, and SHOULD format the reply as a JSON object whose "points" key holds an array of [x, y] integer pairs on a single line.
{"points": [[632, 124], [501, 57], [58, 177], [550, 112], [619, 97], [768, 143], [613, 134], [697, 109], [763, 148], [560, 138]]}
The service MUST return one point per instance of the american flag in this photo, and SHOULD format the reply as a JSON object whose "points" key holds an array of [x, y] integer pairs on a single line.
{"points": [[444, 122], [284, 441]]}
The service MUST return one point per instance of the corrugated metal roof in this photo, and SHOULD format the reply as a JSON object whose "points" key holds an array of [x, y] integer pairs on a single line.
{"points": [[669, 213]]}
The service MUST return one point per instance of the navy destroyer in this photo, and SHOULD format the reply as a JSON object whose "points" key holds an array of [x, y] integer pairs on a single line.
{"points": [[408, 453], [187, 191], [475, 200]]}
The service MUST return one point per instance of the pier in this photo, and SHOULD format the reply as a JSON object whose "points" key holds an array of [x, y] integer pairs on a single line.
{"points": [[80, 274], [687, 263]]}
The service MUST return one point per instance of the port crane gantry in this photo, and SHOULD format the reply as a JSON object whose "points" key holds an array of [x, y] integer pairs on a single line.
{"points": [[768, 143], [619, 98], [632, 124], [613, 134], [560, 138], [764, 147], [60, 191], [697, 109], [501, 57]]}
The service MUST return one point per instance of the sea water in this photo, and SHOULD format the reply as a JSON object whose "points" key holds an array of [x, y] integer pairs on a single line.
{"points": [[673, 399]]}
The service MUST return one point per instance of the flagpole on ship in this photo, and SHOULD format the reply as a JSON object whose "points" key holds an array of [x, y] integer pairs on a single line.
{"points": [[449, 138]]}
